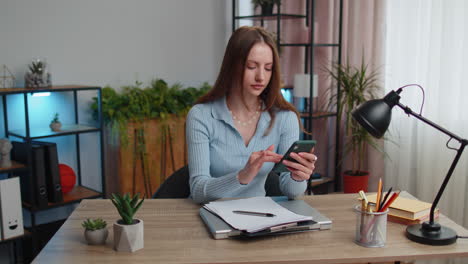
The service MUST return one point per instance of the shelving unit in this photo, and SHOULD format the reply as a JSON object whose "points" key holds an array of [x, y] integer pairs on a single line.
{"points": [[310, 114], [28, 134]]}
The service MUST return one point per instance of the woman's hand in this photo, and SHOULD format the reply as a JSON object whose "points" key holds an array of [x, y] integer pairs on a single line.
{"points": [[255, 163], [304, 167]]}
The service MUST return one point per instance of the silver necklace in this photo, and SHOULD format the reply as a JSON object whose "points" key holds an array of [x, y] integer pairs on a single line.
{"points": [[248, 122]]}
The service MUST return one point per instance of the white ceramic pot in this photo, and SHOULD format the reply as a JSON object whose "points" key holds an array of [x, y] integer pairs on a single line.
{"points": [[128, 238], [96, 237], [55, 126]]}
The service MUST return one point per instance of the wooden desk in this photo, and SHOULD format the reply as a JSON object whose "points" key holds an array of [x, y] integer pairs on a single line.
{"points": [[174, 233]]}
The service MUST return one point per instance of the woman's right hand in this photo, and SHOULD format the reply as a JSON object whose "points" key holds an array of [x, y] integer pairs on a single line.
{"points": [[255, 163]]}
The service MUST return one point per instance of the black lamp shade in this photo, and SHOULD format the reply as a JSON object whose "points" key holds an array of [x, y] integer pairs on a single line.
{"points": [[374, 116]]}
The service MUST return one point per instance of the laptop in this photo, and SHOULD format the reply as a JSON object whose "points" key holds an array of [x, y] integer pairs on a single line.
{"points": [[221, 230]]}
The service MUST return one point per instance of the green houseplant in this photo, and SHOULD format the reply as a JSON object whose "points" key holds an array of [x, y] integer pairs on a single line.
{"points": [[266, 5], [128, 231], [139, 120], [55, 124], [357, 85], [136, 103], [95, 231]]}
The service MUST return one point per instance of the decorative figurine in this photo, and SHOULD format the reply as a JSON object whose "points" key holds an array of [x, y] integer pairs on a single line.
{"points": [[7, 79], [5, 148]]}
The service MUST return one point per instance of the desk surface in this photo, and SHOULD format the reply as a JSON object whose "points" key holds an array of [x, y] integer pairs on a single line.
{"points": [[174, 233]]}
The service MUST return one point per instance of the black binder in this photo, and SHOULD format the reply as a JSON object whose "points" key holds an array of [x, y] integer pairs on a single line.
{"points": [[33, 182], [52, 174]]}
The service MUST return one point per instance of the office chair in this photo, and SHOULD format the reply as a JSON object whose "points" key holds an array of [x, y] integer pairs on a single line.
{"points": [[177, 185], [272, 185]]}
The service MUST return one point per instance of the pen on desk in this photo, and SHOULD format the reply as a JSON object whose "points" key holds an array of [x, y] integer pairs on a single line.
{"points": [[253, 213], [384, 200]]}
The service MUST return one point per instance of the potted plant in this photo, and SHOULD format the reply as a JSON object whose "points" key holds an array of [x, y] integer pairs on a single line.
{"points": [[357, 85], [128, 232], [95, 231], [266, 5], [139, 118], [37, 76], [55, 124]]}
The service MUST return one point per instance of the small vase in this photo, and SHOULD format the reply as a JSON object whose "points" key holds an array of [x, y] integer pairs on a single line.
{"points": [[96, 237], [55, 126], [128, 238]]}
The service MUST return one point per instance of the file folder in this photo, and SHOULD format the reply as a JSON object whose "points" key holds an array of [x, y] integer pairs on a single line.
{"points": [[33, 182], [10, 208], [52, 174]]}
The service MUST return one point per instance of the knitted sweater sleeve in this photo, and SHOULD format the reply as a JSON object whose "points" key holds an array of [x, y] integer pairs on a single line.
{"points": [[204, 187]]}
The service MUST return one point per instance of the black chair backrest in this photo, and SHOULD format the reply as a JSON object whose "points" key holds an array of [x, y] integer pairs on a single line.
{"points": [[272, 185], [176, 186]]}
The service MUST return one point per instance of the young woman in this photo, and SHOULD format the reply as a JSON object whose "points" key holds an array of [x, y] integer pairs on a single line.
{"points": [[235, 131]]}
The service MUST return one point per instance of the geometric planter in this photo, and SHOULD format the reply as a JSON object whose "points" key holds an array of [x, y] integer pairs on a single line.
{"points": [[128, 238], [96, 237]]}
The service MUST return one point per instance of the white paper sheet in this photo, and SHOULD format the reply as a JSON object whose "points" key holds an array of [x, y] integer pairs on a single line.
{"points": [[254, 223]]}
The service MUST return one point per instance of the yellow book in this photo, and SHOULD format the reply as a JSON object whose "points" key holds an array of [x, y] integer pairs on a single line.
{"points": [[405, 207]]}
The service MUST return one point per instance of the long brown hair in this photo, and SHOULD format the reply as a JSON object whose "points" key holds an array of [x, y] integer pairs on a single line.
{"points": [[231, 73]]}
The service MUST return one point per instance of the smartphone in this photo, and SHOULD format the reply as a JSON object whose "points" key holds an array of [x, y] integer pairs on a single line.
{"points": [[298, 146]]}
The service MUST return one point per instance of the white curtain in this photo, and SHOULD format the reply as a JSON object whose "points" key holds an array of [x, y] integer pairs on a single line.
{"points": [[426, 43]]}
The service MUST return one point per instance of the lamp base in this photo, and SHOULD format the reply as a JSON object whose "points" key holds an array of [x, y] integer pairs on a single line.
{"points": [[431, 234]]}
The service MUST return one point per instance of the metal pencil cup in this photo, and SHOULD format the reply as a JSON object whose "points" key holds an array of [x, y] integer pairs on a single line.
{"points": [[371, 228]]}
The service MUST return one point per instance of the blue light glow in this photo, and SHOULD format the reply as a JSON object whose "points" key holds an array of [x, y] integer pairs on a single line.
{"points": [[41, 94], [287, 94]]}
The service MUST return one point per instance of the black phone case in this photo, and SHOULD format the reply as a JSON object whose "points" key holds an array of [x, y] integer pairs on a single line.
{"points": [[298, 146]]}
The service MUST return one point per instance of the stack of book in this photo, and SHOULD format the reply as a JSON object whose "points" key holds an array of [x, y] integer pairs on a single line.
{"points": [[407, 211]]}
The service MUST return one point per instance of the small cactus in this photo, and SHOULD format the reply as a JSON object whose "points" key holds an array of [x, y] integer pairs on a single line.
{"points": [[94, 224]]}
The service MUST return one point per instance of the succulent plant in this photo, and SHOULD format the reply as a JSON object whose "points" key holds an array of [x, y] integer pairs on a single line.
{"points": [[56, 118], [94, 224], [127, 206], [37, 67], [38, 76]]}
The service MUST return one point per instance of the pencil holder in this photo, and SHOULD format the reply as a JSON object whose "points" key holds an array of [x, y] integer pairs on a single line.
{"points": [[371, 228]]}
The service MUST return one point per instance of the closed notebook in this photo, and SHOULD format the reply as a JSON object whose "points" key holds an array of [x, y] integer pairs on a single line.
{"points": [[407, 221], [405, 207]]}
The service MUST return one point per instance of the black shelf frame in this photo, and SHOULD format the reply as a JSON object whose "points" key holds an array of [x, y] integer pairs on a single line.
{"points": [[56, 205], [75, 129], [271, 17], [310, 115]]}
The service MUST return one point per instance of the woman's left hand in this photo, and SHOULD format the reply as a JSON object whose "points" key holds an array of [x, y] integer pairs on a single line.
{"points": [[304, 167]]}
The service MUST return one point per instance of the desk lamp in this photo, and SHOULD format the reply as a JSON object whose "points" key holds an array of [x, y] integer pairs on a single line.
{"points": [[374, 116]]}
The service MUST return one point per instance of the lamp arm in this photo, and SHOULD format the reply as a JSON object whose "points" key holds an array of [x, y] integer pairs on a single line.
{"points": [[463, 143]]}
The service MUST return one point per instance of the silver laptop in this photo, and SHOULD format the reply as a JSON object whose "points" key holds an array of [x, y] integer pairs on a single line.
{"points": [[220, 229]]}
